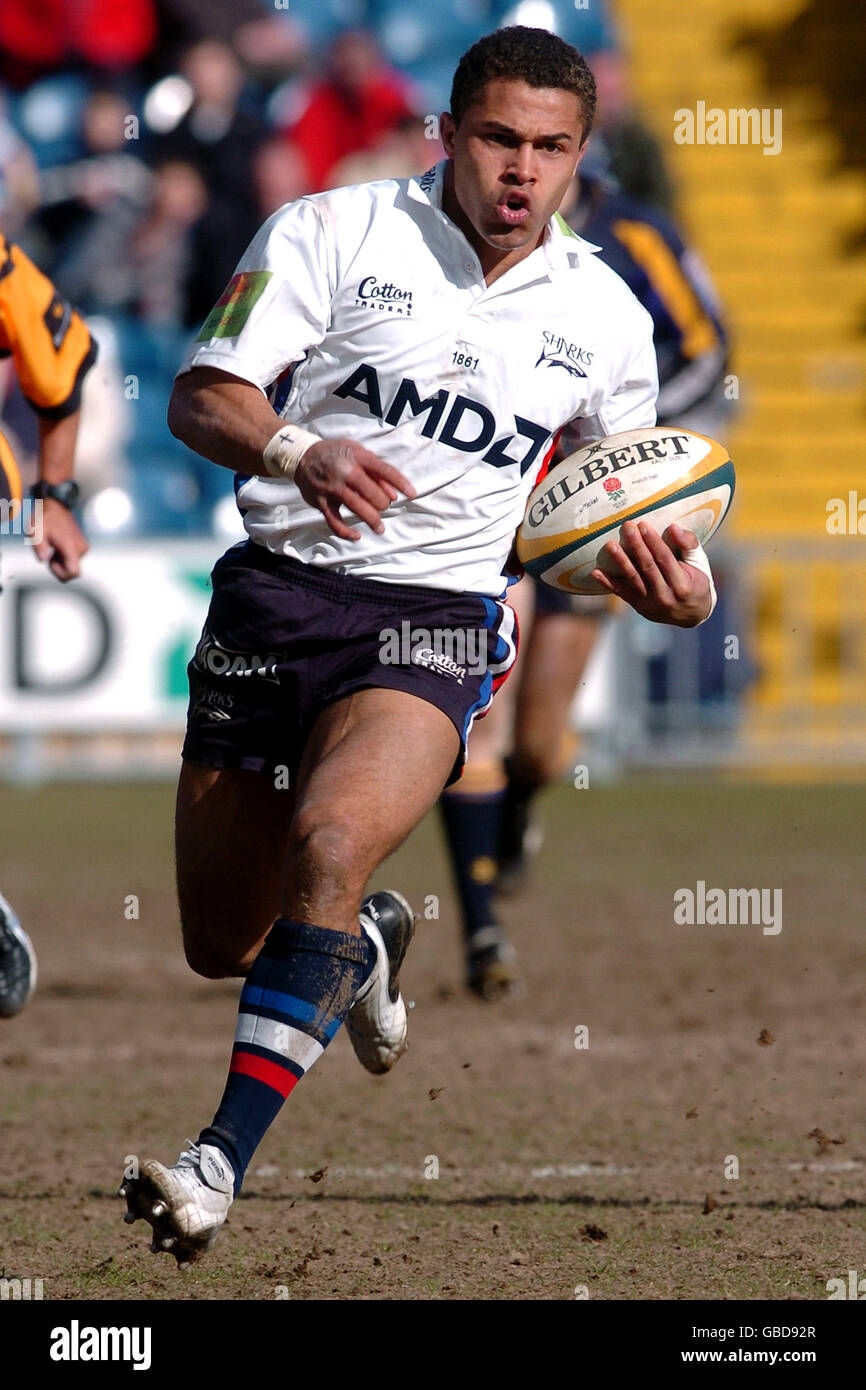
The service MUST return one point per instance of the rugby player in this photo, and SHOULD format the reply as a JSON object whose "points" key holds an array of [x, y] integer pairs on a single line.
{"points": [[51, 351], [397, 327]]}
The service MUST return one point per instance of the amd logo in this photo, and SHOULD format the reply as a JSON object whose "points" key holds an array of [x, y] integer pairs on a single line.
{"points": [[455, 420]]}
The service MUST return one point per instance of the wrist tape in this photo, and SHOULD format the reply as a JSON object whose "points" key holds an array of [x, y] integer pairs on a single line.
{"points": [[284, 452], [698, 558]]}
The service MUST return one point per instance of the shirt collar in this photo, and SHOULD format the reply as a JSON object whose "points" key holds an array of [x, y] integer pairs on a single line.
{"points": [[562, 247]]}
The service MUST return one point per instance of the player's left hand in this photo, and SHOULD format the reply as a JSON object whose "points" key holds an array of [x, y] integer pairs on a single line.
{"points": [[656, 583], [62, 543]]}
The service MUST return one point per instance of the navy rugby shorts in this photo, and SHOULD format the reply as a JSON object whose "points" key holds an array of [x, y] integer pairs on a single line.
{"points": [[283, 640]]}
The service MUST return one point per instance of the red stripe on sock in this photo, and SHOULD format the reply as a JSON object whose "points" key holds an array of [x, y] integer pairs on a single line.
{"points": [[260, 1069]]}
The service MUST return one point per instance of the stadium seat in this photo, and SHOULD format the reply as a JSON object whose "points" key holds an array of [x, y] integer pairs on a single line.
{"points": [[323, 19], [590, 29], [174, 490], [425, 43], [413, 34], [48, 116]]}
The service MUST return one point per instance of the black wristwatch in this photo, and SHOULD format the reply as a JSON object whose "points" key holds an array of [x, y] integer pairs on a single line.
{"points": [[67, 494]]}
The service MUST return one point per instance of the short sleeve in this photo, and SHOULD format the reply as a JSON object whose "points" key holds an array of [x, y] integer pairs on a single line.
{"points": [[277, 304], [50, 345]]}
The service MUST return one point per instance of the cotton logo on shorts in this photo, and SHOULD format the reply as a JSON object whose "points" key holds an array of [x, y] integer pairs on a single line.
{"points": [[440, 663]]}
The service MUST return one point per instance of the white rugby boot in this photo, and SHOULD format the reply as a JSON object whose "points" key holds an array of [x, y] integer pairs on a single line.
{"points": [[17, 963], [377, 1022], [186, 1205]]}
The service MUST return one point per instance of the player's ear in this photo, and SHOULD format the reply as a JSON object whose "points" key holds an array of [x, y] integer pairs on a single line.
{"points": [[447, 131]]}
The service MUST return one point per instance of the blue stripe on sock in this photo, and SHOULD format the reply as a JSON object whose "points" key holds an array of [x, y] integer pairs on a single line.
{"points": [[288, 1006]]}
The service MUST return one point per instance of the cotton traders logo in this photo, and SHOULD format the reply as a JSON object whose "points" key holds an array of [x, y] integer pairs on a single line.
{"points": [[385, 298]]}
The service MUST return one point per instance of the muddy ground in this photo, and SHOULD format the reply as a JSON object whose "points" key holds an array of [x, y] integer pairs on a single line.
{"points": [[606, 1170]]}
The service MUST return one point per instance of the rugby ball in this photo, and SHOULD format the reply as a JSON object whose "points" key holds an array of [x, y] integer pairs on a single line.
{"points": [[662, 475]]}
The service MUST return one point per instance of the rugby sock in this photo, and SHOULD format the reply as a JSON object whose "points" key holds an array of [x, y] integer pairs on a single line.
{"points": [[471, 818], [517, 799], [297, 994], [521, 786]]}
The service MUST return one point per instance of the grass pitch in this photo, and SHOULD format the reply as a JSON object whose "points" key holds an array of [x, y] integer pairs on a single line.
{"points": [[605, 1170]]}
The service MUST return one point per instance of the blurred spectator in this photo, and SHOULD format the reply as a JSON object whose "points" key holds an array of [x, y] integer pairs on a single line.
{"points": [[350, 109], [622, 138], [216, 133], [19, 177], [400, 154], [150, 279], [279, 175], [645, 249], [261, 37], [220, 138], [91, 206], [41, 37]]}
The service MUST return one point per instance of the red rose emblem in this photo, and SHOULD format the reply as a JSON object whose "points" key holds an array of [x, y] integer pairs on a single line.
{"points": [[612, 484]]}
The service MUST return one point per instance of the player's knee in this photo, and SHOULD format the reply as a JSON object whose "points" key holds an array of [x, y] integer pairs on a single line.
{"points": [[327, 848]]}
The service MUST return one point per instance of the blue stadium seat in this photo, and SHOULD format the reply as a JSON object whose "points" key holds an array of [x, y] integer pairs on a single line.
{"points": [[166, 497], [174, 489], [412, 34], [322, 19], [48, 116], [590, 29], [425, 42]]}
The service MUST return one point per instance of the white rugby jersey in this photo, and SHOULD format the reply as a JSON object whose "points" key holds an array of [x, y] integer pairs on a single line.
{"points": [[375, 302]]}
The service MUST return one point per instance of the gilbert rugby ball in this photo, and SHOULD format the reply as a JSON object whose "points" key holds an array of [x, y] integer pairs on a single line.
{"points": [[661, 475]]}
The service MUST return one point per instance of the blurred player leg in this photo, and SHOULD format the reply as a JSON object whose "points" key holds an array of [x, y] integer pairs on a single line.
{"points": [[471, 812], [354, 804], [553, 656], [17, 963]]}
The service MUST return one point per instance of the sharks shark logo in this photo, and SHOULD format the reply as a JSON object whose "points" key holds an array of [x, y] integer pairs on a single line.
{"points": [[557, 351]]}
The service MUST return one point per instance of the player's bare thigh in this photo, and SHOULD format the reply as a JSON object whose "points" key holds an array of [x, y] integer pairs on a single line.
{"points": [[248, 852]]}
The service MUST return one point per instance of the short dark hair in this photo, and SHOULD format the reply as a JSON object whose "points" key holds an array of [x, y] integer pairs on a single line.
{"points": [[520, 54]]}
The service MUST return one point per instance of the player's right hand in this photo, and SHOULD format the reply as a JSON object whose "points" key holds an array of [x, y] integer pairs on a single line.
{"points": [[62, 543], [338, 473]]}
